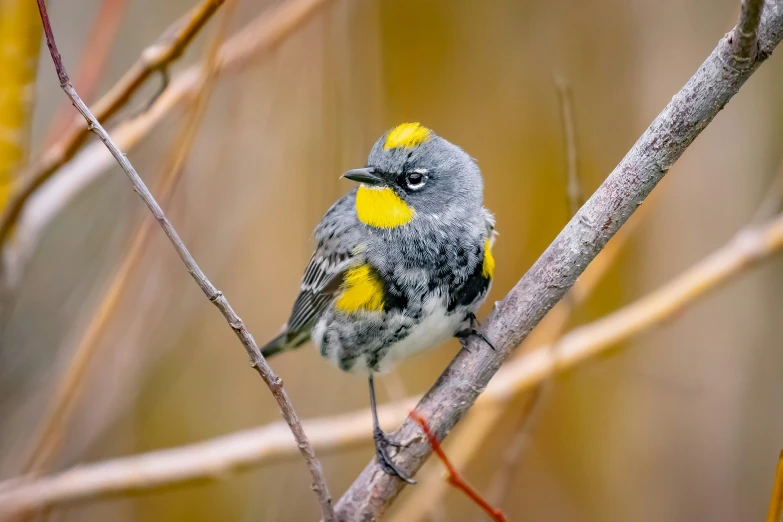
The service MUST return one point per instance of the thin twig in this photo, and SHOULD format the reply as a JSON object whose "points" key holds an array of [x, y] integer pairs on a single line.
{"points": [[259, 38], [745, 35], [776, 500], [215, 459], [688, 113], [105, 28], [454, 477], [573, 183], [158, 56], [500, 486], [216, 297], [69, 386]]}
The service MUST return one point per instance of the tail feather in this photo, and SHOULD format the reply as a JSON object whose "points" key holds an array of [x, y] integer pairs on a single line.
{"points": [[283, 343]]}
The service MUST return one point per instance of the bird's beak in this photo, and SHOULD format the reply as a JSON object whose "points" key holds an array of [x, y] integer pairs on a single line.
{"points": [[366, 175]]}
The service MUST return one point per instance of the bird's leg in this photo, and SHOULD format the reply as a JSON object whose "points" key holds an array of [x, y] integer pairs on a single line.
{"points": [[382, 442], [465, 333]]}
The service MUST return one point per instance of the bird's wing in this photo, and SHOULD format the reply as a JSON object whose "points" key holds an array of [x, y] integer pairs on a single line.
{"points": [[320, 285]]}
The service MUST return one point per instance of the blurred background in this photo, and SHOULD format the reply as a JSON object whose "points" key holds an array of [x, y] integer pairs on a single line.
{"points": [[684, 422]]}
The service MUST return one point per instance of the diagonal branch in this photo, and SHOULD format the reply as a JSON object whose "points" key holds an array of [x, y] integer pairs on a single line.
{"points": [[217, 458], [216, 297], [95, 57], [683, 119]]}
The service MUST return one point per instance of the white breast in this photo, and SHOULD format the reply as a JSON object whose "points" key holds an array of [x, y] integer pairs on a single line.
{"points": [[436, 328]]}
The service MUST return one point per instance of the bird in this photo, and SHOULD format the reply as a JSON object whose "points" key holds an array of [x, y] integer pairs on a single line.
{"points": [[403, 262]]}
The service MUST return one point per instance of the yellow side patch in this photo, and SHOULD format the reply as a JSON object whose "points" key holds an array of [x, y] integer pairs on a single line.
{"points": [[407, 135], [382, 208], [361, 291], [488, 267]]}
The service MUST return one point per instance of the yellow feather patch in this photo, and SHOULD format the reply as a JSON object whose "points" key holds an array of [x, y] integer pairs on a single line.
{"points": [[382, 208], [406, 135], [361, 291], [488, 267]]}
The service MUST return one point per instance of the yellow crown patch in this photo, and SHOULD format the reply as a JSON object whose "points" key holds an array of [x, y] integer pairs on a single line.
{"points": [[407, 135]]}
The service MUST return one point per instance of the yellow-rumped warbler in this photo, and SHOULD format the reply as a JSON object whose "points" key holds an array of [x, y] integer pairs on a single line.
{"points": [[402, 264]]}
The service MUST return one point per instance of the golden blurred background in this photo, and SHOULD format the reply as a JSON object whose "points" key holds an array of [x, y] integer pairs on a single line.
{"points": [[682, 423]]}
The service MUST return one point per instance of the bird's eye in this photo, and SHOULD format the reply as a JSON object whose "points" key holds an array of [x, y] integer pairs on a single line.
{"points": [[416, 179]]}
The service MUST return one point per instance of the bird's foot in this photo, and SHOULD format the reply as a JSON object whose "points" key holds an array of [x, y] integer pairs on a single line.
{"points": [[382, 444], [464, 334]]}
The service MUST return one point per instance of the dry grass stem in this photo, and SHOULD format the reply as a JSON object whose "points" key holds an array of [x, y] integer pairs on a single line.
{"points": [[20, 41], [573, 183], [776, 500], [155, 58], [258, 38]]}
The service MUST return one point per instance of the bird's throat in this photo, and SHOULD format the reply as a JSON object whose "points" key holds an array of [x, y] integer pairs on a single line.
{"points": [[382, 208]]}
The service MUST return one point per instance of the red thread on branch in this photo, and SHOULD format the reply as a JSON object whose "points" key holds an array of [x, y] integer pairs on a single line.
{"points": [[454, 478]]}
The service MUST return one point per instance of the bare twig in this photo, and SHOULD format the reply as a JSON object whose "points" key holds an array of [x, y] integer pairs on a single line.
{"points": [[573, 183], [257, 39], [216, 297], [500, 485], [745, 34], [454, 477], [156, 57], [501, 481], [686, 115], [217, 458], [776, 500], [67, 391], [105, 28]]}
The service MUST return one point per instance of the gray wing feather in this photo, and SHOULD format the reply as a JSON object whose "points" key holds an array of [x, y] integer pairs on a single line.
{"points": [[320, 285]]}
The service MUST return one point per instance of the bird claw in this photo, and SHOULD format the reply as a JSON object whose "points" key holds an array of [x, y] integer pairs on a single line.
{"points": [[464, 334], [382, 443]]}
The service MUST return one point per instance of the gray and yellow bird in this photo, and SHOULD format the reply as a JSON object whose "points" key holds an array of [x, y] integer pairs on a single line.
{"points": [[402, 264]]}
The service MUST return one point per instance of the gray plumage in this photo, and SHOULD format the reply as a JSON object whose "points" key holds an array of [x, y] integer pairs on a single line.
{"points": [[431, 268]]}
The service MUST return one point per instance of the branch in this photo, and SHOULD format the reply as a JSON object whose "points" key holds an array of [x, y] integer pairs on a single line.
{"points": [[156, 57], [688, 113], [745, 35], [216, 297], [258, 38], [454, 477], [215, 459], [67, 390], [105, 27]]}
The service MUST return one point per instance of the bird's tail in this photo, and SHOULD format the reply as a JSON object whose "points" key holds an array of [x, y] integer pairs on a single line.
{"points": [[283, 343]]}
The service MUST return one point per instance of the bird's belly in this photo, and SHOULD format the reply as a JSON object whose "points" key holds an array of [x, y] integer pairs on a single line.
{"points": [[436, 327], [374, 342]]}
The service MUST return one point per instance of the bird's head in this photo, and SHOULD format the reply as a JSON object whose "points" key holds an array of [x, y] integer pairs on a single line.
{"points": [[412, 171]]}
